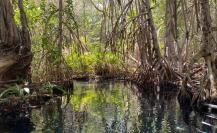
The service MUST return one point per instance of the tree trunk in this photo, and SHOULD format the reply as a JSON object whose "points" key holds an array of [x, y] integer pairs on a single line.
{"points": [[15, 45], [208, 45], [60, 39], [171, 30], [153, 31]]}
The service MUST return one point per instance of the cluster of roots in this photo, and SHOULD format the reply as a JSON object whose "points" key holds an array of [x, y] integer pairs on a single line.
{"points": [[195, 83], [155, 75]]}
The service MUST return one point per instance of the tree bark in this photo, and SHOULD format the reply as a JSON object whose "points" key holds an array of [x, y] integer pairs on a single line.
{"points": [[60, 26], [208, 45], [171, 30], [156, 48], [60, 39], [15, 44]]}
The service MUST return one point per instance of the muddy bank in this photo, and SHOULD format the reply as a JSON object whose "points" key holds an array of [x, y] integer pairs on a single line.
{"points": [[13, 109], [17, 101], [99, 78]]}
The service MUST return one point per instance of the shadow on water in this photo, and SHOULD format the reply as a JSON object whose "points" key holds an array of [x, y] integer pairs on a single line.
{"points": [[111, 107]]}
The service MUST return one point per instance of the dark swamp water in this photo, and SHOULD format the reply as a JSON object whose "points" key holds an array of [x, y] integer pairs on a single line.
{"points": [[111, 107]]}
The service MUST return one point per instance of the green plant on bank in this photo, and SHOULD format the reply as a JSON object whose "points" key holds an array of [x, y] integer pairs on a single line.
{"points": [[94, 62], [49, 87], [18, 91], [15, 90]]}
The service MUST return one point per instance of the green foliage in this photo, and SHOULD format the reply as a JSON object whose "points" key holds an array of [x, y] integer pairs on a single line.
{"points": [[86, 24], [18, 91], [15, 90], [92, 62], [17, 16], [49, 87], [32, 12]]}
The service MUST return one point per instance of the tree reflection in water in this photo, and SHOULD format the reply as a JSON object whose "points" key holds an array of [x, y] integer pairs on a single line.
{"points": [[118, 107]]}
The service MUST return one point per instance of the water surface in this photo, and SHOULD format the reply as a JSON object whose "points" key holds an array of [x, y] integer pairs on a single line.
{"points": [[111, 107]]}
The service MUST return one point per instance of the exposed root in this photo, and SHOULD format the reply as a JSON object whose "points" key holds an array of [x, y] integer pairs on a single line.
{"points": [[155, 74]]}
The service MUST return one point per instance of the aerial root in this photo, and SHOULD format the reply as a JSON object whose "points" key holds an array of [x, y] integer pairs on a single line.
{"points": [[155, 74]]}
